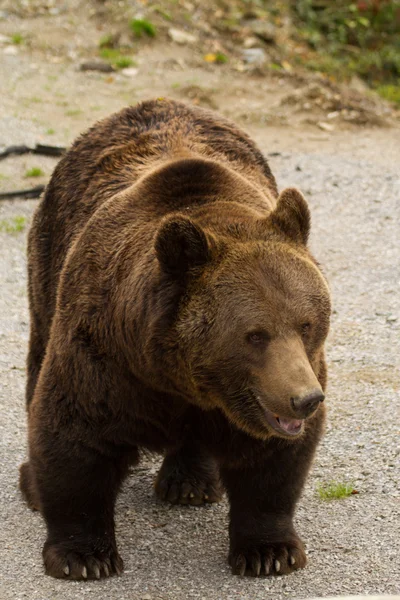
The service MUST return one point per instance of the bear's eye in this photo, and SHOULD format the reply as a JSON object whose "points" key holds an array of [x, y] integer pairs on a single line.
{"points": [[305, 329], [258, 338]]}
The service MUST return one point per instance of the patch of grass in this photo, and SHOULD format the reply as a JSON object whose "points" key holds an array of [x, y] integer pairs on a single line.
{"points": [[110, 54], [123, 62], [142, 27], [335, 490], [13, 225], [221, 58], [50, 131], [116, 58], [17, 38], [390, 92], [3, 177], [34, 172]]}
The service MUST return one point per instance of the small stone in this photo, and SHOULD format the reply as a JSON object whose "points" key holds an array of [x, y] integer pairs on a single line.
{"points": [[325, 126], [130, 72], [250, 42], [181, 37], [254, 56]]}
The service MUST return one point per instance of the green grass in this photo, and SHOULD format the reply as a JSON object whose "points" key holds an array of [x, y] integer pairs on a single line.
{"points": [[3, 177], [34, 172], [221, 58], [142, 27], [390, 92], [335, 490], [123, 62], [17, 38], [13, 225], [110, 54], [116, 58], [50, 131]]}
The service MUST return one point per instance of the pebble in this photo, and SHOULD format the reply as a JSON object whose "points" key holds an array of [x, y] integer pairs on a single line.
{"points": [[181, 37], [254, 56]]}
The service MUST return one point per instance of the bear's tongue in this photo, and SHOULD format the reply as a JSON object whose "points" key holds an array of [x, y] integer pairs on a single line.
{"points": [[290, 425]]}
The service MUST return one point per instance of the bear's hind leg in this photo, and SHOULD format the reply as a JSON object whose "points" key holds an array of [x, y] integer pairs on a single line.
{"points": [[27, 486], [37, 349], [189, 476]]}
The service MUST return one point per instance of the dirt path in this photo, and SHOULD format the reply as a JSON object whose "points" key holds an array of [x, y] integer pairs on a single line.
{"points": [[352, 182]]}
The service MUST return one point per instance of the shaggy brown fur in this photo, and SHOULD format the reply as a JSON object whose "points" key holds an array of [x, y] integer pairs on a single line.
{"points": [[174, 307]]}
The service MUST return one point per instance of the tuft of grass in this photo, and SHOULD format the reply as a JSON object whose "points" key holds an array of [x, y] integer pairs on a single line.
{"points": [[335, 490], [390, 92], [221, 58], [118, 60], [142, 27], [34, 172], [110, 54], [50, 131], [123, 62], [13, 225], [17, 38]]}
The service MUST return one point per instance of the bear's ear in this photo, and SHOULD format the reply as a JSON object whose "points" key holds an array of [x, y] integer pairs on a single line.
{"points": [[181, 245], [292, 216]]}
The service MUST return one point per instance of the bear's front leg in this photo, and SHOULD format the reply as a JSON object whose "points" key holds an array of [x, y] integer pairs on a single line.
{"points": [[76, 483], [263, 495]]}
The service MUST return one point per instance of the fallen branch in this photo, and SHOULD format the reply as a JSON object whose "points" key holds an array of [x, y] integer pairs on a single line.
{"points": [[30, 193], [38, 149]]}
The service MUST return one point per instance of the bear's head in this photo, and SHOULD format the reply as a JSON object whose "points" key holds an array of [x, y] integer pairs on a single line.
{"points": [[253, 316]]}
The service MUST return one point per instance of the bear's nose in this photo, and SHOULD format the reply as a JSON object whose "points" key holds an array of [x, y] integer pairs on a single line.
{"points": [[305, 405]]}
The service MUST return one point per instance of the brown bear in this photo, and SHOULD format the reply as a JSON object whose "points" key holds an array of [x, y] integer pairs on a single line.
{"points": [[176, 308]]}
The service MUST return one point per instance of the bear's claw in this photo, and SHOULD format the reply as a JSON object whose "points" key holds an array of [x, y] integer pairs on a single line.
{"points": [[65, 563], [267, 560]]}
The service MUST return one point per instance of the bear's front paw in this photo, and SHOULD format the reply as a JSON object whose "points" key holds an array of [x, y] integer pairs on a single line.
{"points": [[257, 559], [63, 561]]}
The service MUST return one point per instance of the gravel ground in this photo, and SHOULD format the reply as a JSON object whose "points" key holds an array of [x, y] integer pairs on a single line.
{"points": [[353, 186]]}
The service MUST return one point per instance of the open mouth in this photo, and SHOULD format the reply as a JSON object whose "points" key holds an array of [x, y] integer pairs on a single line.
{"points": [[288, 427]]}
